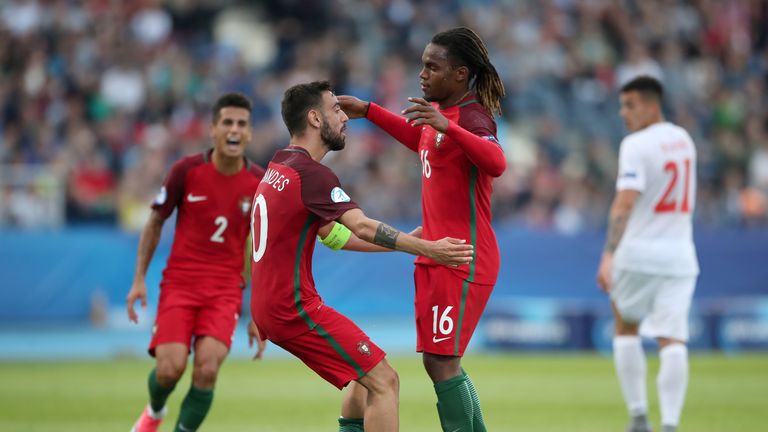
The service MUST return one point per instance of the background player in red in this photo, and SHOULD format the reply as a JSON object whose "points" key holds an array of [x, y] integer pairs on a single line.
{"points": [[453, 130], [297, 199], [201, 290]]}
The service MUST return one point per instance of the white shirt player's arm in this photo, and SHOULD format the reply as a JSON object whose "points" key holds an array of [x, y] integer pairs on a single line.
{"points": [[621, 209]]}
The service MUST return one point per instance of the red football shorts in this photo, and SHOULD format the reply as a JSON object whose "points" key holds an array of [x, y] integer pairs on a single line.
{"points": [[336, 349], [182, 314], [447, 310]]}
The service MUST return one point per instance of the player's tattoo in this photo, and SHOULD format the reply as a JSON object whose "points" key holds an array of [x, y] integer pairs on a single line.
{"points": [[386, 236], [616, 228]]}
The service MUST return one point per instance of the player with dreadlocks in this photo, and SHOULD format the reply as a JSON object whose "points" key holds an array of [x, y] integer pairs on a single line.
{"points": [[453, 131]]}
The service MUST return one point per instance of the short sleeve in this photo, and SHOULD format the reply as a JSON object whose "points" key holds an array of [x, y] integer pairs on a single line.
{"points": [[172, 191], [631, 168], [323, 195], [479, 123]]}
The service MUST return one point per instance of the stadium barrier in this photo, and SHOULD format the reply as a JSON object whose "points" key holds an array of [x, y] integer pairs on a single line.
{"points": [[545, 298]]}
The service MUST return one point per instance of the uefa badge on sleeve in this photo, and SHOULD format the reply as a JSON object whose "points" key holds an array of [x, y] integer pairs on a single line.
{"points": [[245, 205]]}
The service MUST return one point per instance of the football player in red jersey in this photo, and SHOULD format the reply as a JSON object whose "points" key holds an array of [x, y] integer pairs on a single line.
{"points": [[298, 199], [453, 131], [202, 286]]}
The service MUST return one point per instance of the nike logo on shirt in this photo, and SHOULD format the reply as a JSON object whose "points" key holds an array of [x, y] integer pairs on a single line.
{"points": [[196, 198], [435, 339]]}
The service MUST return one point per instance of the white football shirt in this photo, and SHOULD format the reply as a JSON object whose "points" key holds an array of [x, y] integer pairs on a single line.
{"points": [[659, 162]]}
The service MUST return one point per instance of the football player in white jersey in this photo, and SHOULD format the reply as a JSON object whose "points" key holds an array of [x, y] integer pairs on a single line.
{"points": [[649, 265]]}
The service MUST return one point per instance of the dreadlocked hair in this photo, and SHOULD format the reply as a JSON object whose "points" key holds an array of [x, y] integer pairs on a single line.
{"points": [[465, 48]]}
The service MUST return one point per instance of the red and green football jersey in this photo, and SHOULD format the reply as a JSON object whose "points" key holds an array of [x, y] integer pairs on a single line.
{"points": [[458, 168], [456, 195], [294, 199], [211, 225]]}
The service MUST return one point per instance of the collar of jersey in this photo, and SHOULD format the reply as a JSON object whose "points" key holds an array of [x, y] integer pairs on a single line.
{"points": [[298, 149]]}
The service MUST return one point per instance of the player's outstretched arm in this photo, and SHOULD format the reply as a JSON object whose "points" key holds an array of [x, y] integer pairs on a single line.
{"points": [[621, 209], [484, 153], [388, 121], [448, 251], [337, 236], [150, 236]]}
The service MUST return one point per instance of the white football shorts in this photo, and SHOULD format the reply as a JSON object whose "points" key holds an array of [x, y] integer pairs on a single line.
{"points": [[659, 303]]}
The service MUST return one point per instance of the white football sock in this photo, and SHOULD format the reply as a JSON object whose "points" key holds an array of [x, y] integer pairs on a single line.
{"points": [[629, 359], [672, 382]]}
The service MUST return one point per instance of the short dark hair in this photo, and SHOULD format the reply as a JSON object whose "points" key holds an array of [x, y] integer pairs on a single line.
{"points": [[237, 100], [648, 87], [298, 100]]}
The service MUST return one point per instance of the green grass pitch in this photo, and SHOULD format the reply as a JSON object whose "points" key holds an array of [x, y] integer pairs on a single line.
{"points": [[518, 393]]}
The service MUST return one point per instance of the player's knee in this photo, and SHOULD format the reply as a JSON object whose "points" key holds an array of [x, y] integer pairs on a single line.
{"points": [[169, 372], [384, 380], [205, 373]]}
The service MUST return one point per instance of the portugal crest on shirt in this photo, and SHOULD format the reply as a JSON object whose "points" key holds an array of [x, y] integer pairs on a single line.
{"points": [[245, 205], [363, 348], [439, 139]]}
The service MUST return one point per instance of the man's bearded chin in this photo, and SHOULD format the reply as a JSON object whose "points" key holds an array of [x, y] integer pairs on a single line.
{"points": [[334, 141]]}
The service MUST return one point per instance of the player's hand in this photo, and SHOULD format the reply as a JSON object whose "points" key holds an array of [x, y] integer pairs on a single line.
{"points": [[138, 291], [605, 272], [416, 232], [253, 335], [353, 107], [423, 113], [452, 251]]}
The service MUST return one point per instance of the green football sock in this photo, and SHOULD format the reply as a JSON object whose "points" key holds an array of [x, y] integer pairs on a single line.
{"points": [[194, 409], [454, 404], [478, 423], [157, 393], [351, 425]]}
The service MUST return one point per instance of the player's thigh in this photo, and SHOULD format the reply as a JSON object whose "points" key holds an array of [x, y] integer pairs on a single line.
{"points": [[175, 320], [218, 316], [448, 309], [336, 349], [671, 306], [633, 294]]}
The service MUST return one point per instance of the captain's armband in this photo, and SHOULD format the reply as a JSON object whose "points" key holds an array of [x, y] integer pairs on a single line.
{"points": [[337, 238]]}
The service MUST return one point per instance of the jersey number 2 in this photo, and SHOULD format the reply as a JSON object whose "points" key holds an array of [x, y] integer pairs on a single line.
{"points": [[261, 204], [668, 202], [221, 224]]}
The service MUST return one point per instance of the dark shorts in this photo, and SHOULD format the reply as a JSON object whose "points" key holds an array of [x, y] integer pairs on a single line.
{"points": [[183, 314], [448, 309], [336, 349]]}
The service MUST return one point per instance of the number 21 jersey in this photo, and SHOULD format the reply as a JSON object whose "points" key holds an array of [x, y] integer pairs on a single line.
{"points": [[660, 163]]}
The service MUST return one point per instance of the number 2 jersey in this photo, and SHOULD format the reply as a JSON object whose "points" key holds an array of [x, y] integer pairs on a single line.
{"points": [[660, 163], [296, 197], [211, 225], [458, 168]]}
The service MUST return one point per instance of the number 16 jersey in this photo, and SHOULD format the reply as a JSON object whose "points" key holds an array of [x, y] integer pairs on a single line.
{"points": [[659, 161]]}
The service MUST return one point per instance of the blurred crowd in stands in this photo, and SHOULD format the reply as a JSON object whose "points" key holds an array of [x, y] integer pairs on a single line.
{"points": [[99, 97]]}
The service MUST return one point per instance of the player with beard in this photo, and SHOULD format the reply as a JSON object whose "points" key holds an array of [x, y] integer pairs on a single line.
{"points": [[202, 287], [453, 131], [298, 199]]}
